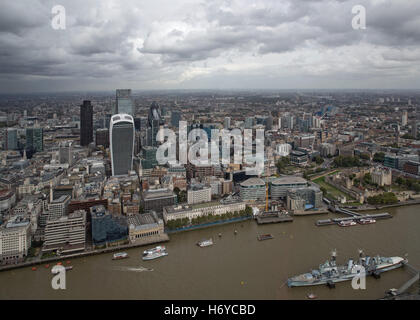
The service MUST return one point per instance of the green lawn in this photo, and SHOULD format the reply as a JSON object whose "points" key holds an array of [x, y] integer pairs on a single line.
{"points": [[332, 191]]}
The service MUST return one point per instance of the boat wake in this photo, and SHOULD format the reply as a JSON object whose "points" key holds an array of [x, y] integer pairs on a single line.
{"points": [[133, 269]]}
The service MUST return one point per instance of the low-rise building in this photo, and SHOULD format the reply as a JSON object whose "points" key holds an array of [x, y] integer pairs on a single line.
{"points": [[107, 227], [198, 194], [66, 233], [156, 199], [7, 200], [15, 240], [304, 198], [382, 177], [198, 210], [58, 207], [298, 158], [253, 189], [327, 149], [143, 226], [412, 167], [280, 186]]}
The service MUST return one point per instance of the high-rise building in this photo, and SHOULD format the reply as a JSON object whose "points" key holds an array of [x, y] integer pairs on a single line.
{"points": [[226, 123], [414, 128], [86, 123], [175, 118], [35, 139], [249, 122], [269, 122], [121, 140], [65, 152], [124, 103], [102, 137], [11, 139], [404, 118], [155, 121], [287, 121]]}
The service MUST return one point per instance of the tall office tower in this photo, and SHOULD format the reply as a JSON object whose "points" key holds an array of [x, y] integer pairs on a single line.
{"points": [[121, 140], [11, 139], [155, 120], [124, 103], [249, 122], [86, 123], [65, 152], [226, 123], [269, 123], [288, 121], [414, 128], [102, 137], [316, 122], [404, 118], [35, 139], [175, 118]]}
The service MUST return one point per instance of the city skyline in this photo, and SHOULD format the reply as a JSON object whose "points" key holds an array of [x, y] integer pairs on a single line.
{"points": [[232, 149], [196, 45]]}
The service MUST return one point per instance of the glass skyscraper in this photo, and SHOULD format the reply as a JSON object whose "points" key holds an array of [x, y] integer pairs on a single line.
{"points": [[155, 122], [12, 139], [124, 102], [35, 139], [86, 123], [121, 143], [175, 118]]}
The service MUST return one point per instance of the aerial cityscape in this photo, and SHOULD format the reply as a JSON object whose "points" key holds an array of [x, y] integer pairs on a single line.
{"points": [[115, 189]]}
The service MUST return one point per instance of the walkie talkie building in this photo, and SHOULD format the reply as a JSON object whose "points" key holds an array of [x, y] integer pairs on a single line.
{"points": [[121, 138]]}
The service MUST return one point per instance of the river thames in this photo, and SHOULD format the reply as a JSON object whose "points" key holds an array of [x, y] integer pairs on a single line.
{"points": [[236, 267]]}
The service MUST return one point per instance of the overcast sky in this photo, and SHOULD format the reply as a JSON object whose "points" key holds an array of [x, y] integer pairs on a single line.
{"points": [[185, 44]]}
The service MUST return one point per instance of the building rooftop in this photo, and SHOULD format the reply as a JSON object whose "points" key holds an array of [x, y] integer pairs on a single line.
{"points": [[143, 221], [61, 199], [157, 193], [289, 180], [253, 182]]}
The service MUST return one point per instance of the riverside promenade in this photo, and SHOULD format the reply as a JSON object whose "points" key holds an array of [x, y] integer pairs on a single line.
{"points": [[208, 224], [38, 260]]}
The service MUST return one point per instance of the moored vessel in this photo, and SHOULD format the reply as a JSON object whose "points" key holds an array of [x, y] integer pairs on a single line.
{"points": [[205, 243], [347, 223], [330, 273], [154, 253], [366, 221], [120, 255], [265, 237]]}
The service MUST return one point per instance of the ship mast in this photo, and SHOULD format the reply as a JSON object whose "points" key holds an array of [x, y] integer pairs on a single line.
{"points": [[266, 194], [333, 257]]}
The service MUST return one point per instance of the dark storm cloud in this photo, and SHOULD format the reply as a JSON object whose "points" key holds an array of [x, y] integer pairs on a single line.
{"points": [[161, 43]]}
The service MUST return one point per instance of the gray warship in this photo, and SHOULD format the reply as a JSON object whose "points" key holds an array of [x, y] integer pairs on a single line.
{"points": [[330, 273]]}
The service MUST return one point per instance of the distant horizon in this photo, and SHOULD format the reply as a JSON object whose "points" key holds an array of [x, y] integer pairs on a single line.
{"points": [[133, 91]]}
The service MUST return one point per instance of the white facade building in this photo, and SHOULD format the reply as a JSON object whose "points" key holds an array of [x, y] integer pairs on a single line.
{"points": [[283, 149], [199, 194], [191, 212], [15, 240]]}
